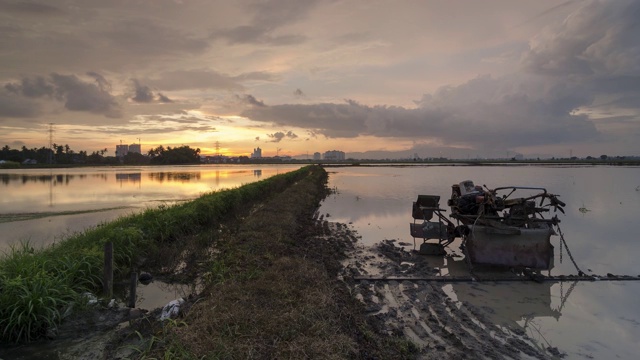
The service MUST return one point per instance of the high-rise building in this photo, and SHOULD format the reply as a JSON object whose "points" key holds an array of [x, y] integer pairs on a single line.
{"points": [[135, 148], [122, 150], [317, 156], [334, 155], [256, 154]]}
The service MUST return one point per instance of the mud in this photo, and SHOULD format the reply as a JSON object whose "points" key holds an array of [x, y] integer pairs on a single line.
{"points": [[429, 313]]}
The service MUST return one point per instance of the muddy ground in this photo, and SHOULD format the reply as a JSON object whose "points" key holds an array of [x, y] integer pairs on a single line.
{"points": [[441, 326]]}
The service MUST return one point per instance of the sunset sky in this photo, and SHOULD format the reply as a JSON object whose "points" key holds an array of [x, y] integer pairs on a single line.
{"points": [[460, 79]]}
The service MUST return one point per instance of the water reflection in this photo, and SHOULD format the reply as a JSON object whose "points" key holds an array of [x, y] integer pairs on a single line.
{"points": [[584, 320], [57, 179], [84, 197], [174, 176], [129, 177]]}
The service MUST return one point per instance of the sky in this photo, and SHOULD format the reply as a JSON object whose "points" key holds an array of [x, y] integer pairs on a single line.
{"points": [[375, 79]]}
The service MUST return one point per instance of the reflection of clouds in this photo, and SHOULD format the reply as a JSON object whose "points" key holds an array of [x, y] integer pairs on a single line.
{"points": [[356, 206]]}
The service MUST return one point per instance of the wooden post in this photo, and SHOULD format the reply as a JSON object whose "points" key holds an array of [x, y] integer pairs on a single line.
{"points": [[108, 270], [132, 289]]}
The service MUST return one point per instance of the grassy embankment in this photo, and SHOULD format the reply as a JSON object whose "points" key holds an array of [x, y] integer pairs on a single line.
{"points": [[270, 283], [38, 285]]}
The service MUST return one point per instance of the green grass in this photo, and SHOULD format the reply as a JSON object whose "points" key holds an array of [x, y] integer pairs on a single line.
{"points": [[37, 286]]}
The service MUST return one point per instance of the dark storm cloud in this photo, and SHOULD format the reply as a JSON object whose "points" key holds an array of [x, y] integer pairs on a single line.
{"points": [[143, 93], [193, 79], [14, 106]]}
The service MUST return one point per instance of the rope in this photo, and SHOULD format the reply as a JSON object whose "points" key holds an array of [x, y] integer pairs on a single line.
{"points": [[580, 273]]}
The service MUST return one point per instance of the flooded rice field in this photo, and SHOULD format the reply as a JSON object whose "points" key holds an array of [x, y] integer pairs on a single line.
{"points": [[43, 205], [582, 320], [575, 320]]}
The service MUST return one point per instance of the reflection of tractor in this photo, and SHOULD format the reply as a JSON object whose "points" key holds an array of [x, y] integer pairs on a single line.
{"points": [[496, 227]]}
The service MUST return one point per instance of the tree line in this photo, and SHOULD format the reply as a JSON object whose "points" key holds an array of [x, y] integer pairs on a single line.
{"points": [[63, 154]]}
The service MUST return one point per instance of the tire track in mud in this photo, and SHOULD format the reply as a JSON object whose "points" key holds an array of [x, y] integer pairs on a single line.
{"points": [[442, 326]]}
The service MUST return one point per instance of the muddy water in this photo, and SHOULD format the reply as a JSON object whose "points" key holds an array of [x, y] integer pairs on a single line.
{"points": [[592, 320]]}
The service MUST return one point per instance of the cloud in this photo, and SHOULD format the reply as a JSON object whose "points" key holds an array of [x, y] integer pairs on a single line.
{"points": [[33, 88], [29, 8], [278, 136], [103, 83], [268, 17], [597, 40], [480, 113], [590, 60], [164, 99], [257, 35], [194, 79], [77, 95], [144, 37], [250, 100], [143, 93], [14, 106], [256, 75], [298, 93]]}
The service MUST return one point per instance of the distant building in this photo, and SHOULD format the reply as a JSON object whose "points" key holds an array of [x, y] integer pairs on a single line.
{"points": [[135, 148], [317, 156], [256, 154], [122, 150], [334, 155]]}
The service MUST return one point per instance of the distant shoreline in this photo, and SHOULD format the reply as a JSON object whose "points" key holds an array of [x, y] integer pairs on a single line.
{"points": [[435, 162]]}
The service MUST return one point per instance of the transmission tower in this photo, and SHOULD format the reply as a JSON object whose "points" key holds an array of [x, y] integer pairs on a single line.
{"points": [[218, 148], [50, 157]]}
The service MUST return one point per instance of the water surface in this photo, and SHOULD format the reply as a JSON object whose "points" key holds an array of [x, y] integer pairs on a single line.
{"points": [[586, 320], [45, 205]]}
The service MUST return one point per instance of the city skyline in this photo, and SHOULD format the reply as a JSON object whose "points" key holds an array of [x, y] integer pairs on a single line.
{"points": [[463, 79]]}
